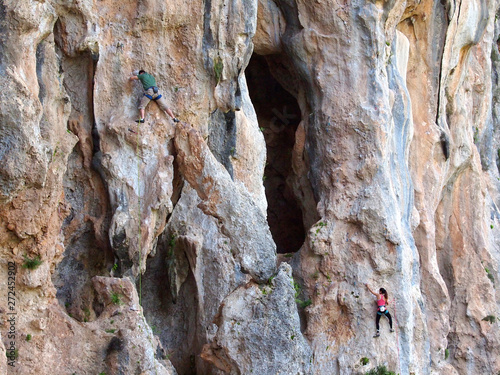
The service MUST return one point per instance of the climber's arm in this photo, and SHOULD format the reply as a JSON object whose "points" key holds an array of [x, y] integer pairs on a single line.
{"points": [[371, 291]]}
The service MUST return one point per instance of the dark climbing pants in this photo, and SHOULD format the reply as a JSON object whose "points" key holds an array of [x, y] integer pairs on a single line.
{"points": [[379, 314]]}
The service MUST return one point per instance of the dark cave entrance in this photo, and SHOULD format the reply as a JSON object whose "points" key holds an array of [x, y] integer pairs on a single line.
{"points": [[279, 115]]}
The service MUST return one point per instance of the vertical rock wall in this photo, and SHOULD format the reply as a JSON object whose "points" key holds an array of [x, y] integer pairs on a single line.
{"points": [[156, 253]]}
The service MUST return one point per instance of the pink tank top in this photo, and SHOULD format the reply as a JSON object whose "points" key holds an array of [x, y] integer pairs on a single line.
{"points": [[381, 304], [381, 301]]}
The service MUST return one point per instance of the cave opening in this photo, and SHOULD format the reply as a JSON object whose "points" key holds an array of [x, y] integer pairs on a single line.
{"points": [[279, 115]]}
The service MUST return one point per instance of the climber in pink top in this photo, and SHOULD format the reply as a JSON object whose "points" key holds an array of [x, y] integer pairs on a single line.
{"points": [[382, 302]]}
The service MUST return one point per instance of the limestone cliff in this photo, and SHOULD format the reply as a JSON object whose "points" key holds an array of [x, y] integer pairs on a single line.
{"points": [[322, 145]]}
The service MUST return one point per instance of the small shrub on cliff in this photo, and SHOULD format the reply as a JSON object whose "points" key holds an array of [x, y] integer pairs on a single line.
{"points": [[306, 303], [380, 370], [12, 354], [171, 245], [476, 135], [116, 298], [320, 225], [490, 318], [446, 353], [32, 264], [218, 67], [364, 361], [490, 275], [298, 290]]}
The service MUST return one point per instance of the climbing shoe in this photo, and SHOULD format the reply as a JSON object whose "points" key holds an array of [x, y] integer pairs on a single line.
{"points": [[141, 121], [391, 330], [176, 119], [376, 334]]}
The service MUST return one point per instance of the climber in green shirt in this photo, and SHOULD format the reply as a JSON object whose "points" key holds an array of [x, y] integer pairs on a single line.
{"points": [[150, 93]]}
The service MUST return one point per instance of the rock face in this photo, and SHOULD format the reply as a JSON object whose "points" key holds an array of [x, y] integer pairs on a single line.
{"points": [[323, 145], [264, 320]]}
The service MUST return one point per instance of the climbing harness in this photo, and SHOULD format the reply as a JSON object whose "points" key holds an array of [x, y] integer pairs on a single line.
{"points": [[155, 90], [151, 97]]}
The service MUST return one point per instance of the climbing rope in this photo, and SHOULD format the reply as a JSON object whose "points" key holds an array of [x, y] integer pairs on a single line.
{"points": [[139, 213], [396, 331]]}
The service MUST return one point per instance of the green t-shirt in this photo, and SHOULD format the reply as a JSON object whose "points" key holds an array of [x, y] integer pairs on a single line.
{"points": [[147, 80]]}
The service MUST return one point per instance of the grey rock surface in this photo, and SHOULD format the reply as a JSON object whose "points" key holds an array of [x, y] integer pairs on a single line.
{"points": [[387, 168], [262, 319]]}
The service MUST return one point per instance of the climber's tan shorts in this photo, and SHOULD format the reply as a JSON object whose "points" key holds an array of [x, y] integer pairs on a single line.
{"points": [[145, 101]]}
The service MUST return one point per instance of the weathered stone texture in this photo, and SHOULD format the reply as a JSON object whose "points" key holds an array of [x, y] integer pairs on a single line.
{"points": [[240, 218], [156, 253], [263, 320]]}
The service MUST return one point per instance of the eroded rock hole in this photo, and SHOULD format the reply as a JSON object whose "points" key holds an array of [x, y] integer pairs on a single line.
{"points": [[222, 138], [279, 115], [172, 318]]}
